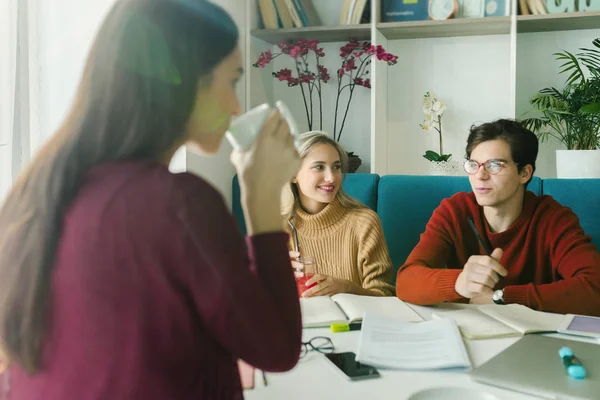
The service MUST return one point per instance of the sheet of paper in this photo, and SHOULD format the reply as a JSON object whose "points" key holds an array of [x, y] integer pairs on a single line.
{"points": [[386, 343]]}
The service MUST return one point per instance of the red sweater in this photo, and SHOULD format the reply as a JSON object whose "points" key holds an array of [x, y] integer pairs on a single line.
{"points": [[155, 294], [552, 265]]}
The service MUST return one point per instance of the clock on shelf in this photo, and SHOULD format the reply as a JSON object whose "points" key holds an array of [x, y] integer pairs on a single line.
{"points": [[442, 9]]}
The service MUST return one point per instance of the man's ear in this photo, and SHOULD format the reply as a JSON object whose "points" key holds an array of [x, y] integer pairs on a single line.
{"points": [[526, 173]]}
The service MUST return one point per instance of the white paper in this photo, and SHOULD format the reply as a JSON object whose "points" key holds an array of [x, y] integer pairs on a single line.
{"points": [[386, 343]]}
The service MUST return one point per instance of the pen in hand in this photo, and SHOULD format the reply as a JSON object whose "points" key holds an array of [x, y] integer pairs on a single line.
{"points": [[484, 244]]}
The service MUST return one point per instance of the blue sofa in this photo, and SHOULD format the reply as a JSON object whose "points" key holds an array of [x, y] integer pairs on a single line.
{"points": [[405, 203]]}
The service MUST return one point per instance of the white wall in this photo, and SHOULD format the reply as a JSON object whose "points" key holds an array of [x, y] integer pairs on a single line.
{"points": [[537, 68], [66, 30], [356, 135], [470, 74]]}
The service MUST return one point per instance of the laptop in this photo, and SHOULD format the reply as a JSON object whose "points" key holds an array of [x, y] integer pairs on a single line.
{"points": [[532, 365]]}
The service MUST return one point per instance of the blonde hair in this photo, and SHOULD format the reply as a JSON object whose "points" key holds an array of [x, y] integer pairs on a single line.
{"points": [[290, 198]]}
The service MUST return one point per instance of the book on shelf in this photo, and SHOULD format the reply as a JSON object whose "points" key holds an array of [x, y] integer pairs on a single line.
{"points": [[322, 311], [355, 12], [268, 14], [523, 9], [536, 7], [493, 321], [294, 13], [431, 345], [284, 14], [307, 11], [404, 10]]}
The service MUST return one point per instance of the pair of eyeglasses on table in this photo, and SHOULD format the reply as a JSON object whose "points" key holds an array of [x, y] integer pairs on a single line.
{"points": [[321, 344]]}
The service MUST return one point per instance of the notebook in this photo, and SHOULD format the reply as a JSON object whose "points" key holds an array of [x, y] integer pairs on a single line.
{"points": [[322, 311], [491, 321], [532, 365], [431, 345]]}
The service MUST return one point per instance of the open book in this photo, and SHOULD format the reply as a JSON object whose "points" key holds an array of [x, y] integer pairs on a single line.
{"points": [[322, 311], [431, 345], [490, 321]]}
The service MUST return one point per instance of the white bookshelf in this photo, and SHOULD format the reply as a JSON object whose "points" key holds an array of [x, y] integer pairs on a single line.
{"points": [[484, 68]]}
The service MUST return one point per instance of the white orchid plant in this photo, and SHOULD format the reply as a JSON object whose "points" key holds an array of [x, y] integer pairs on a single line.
{"points": [[433, 109]]}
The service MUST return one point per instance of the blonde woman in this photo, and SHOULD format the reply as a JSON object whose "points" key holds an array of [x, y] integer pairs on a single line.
{"points": [[344, 238]]}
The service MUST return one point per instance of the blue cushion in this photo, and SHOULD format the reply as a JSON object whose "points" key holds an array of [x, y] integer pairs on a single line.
{"points": [[535, 185], [362, 187], [581, 196], [405, 205]]}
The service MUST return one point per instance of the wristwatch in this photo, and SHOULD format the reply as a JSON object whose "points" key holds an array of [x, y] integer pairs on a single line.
{"points": [[498, 296]]}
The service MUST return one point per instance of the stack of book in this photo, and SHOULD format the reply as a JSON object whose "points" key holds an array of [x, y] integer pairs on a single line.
{"points": [[276, 14]]}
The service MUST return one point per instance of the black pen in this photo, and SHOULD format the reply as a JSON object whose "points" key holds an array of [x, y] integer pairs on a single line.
{"points": [[484, 244]]}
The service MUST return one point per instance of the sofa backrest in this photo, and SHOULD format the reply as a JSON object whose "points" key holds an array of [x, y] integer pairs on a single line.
{"points": [[362, 187], [583, 197], [406, 202]]}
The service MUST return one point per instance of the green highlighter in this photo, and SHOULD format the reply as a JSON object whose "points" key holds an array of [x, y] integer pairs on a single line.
{"points": [[355, 326]]}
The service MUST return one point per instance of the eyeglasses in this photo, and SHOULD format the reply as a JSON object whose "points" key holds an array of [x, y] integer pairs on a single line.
{"points": [[321, 344], [491, 166]]}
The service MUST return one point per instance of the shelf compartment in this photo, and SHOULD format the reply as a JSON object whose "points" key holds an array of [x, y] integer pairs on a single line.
{"points": [[445, 28], [558, 22], [336, 33]]}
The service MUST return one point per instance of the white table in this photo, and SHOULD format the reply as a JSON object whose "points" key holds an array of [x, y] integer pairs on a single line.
{"points": [[314, 379]]}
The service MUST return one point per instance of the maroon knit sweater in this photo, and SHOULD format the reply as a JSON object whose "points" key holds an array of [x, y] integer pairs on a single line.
{"points": [[155, 295]]}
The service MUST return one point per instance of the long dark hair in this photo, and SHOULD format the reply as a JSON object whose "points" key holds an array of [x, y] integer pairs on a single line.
{"points": [[135, 97]]}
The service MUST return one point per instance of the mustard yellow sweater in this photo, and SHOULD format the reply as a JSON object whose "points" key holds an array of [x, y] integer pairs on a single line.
{"points": [[347, 244]]}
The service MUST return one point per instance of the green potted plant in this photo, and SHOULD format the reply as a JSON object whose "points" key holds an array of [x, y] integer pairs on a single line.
{"points": [[572, 115]]}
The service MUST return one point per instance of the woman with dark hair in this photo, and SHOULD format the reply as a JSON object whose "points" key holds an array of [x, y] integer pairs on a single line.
{"points": [[121, 280]]}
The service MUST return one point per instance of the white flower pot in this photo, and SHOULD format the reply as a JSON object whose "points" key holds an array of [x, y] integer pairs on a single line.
{"points": [[578, 163], [445, 168]]}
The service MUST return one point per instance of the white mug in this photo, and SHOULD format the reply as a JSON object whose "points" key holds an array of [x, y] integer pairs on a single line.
{"points": [[245, 128]]}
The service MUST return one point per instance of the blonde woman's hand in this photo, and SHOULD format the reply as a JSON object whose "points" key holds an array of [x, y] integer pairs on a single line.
{"points": [[326, 286], [262, 170]]}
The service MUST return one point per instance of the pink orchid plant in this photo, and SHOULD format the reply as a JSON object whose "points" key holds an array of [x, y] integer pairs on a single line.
{"points": [[355, 56]]}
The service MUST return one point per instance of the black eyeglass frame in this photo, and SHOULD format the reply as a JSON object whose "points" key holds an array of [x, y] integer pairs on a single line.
{"points": [[309, 346]]}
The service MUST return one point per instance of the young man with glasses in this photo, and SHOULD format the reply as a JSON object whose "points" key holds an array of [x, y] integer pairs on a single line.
{"points": [[501, 243]]}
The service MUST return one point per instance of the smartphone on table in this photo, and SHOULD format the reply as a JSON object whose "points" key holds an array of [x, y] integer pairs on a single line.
{"points": [[346, 365]]}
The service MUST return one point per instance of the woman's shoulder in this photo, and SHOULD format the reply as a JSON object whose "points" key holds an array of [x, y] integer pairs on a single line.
{"points": [[363, 216]]}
